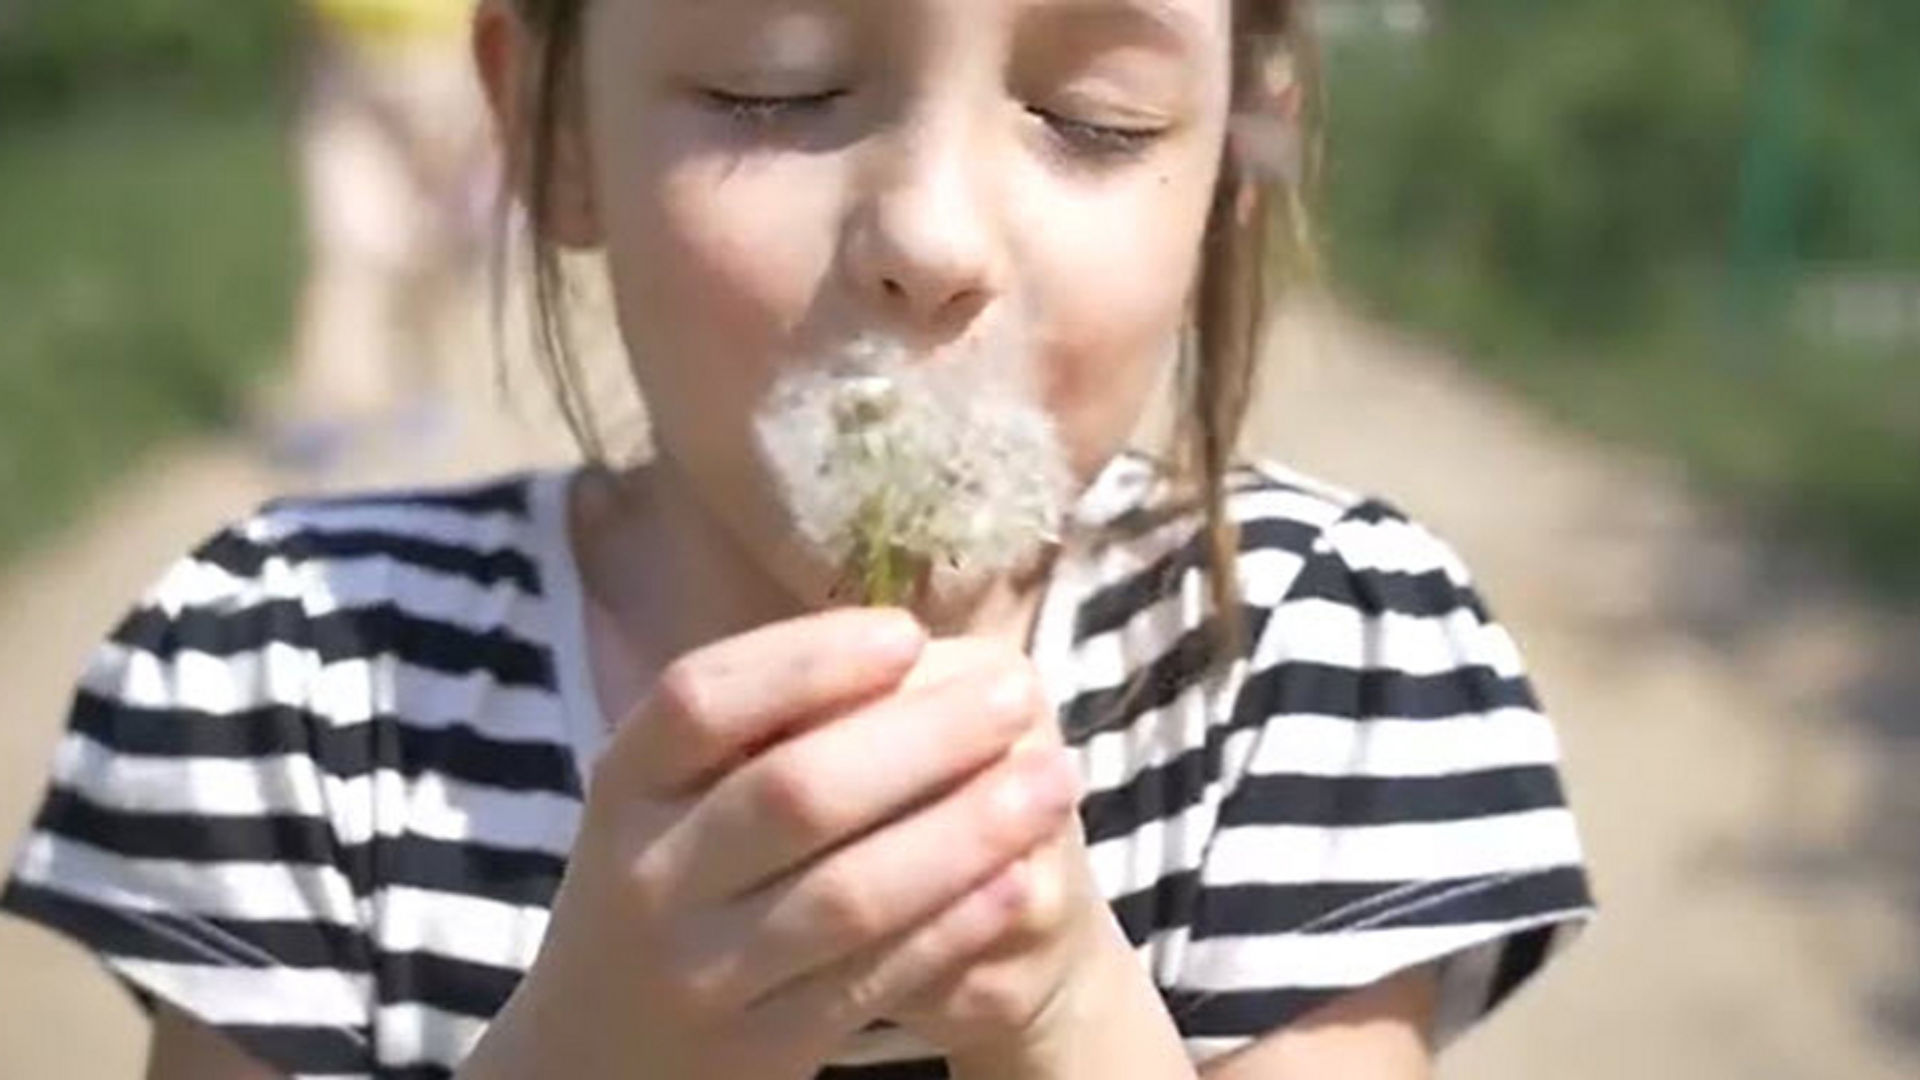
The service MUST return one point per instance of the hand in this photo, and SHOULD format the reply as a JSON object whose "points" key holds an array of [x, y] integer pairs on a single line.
{"points": [[784, 844], [1008, 995]]}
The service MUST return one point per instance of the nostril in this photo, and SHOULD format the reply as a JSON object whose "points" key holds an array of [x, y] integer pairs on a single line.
{"points": [[893, 288]]}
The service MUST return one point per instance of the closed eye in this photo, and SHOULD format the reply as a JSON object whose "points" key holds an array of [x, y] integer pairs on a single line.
{"points": [[1098, 141], [768, 109]]}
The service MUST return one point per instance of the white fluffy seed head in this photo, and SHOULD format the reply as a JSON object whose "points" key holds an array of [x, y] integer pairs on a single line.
{"points": [[946, 460]]}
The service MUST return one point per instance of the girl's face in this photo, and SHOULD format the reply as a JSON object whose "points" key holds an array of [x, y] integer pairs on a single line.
{"points": [[773, 178]]}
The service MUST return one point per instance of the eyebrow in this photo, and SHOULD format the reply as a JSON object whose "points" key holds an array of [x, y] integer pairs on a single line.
{"points": [[1163, 22]]}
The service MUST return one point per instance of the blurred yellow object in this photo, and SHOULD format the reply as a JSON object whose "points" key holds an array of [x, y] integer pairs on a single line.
{"points": [[387, 20]]}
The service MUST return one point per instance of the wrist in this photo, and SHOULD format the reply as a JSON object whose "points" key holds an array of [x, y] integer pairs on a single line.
{"points": [[535, 1035], [506, 1051], [1107, 1019]]}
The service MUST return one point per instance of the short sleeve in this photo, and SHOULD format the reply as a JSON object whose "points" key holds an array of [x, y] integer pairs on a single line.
{"points": [[1399, 805], [199, 833]]}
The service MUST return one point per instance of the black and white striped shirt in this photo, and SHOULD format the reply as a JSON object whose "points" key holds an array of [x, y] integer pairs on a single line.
{"points": [[320, 785]]}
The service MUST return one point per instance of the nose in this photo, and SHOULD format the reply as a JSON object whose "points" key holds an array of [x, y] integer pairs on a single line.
{"points": [[922, 244]]}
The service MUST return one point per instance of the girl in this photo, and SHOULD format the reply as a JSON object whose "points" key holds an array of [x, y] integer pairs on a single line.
{"points": [[582, 774]]}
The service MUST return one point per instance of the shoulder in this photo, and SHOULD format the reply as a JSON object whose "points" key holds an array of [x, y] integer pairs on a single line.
{"points": [[1353, 548], [477, 532], [1374, 615], [470, 530], [1299, 539], [340, 578], [1348, 608], [1371, 785], [251, 733]]}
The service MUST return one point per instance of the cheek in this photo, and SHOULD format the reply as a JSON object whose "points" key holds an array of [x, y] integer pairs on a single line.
{"points": [[714, 262], [1114, 301], [722, 256], [1097, 396]]}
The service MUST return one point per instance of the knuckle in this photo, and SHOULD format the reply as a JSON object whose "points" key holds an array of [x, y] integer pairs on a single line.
{"points": [[684, 713], [1008, 823], [997, 838], [697, 992], [990, 999], [785, 797], [683, 698], [847, 914], [1044, 906], [865, 994], [647, 888]]}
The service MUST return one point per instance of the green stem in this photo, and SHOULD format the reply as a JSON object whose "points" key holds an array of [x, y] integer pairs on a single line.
{"points": [[882, 578], [890, 576]]}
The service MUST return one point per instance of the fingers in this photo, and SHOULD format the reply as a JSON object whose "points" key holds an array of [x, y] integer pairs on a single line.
{"points": [[907, 872], [822, 788], [717, 704], [849, 995]]}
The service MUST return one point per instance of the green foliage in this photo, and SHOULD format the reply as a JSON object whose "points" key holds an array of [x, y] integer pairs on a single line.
{"points": [[1573, 158], [57, 55], [147, 253], [144, 287], [1558, 189], [1859, 133]]}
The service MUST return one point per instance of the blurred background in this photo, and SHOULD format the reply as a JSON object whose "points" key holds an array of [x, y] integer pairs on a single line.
{"points": [[1622, 295]]}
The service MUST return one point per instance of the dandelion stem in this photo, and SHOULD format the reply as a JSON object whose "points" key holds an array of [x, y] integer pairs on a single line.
{"points": [[885, 573]]}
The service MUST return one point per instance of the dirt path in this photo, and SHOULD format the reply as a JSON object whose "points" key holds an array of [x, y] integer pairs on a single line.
{"points": [[1738, 728]]}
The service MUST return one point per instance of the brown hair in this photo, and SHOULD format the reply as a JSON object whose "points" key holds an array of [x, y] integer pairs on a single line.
{"points": [[1220, 354]]}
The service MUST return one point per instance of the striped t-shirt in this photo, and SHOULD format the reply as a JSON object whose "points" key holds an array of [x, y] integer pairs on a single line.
{"points": [[319, 786]]}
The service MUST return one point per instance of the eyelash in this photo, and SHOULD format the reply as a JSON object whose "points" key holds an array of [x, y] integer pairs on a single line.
{"points": [[1098, 142], [759, 111], [1084, 139]]}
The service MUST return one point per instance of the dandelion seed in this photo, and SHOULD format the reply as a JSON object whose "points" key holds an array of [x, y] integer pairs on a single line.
{"points": [[895, 471]]}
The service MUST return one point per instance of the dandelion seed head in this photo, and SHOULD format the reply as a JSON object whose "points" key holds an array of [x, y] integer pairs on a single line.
{"points": [[948, 460]]}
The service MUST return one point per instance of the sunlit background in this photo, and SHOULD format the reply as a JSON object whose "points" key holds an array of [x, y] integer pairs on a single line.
{"points": [[1623, 295]]}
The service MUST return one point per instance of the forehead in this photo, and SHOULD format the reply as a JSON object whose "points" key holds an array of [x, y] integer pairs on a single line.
{"points": [[1183, 23]]}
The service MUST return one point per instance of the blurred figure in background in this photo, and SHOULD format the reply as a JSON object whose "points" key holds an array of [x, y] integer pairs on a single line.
{"points": [[398, 178]]}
